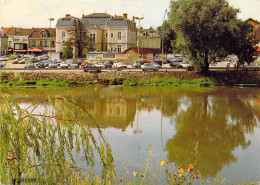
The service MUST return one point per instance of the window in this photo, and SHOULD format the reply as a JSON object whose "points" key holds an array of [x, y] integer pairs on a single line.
{"points": [[33, 43], [112, 35], [119, 36], [106, 35], [92, 37], [106, 48], [118, 110], [16, 39], [45, 43], [44, 34], [63, 35], [111, 49], [25, 39], [118, 48], [52, 43], [143, 43], [41, 43]]}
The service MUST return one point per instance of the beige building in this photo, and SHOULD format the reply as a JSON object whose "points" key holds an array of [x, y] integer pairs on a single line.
{"points": [[42, 40], [106, 33], [149, 38]]}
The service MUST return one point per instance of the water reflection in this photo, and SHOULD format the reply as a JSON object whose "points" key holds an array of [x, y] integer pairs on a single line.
{"points": [[217, 119]]}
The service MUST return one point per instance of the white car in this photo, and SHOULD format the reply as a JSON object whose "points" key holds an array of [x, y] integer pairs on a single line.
{"points": [[119, 65], [64, 65], [100, 64]]}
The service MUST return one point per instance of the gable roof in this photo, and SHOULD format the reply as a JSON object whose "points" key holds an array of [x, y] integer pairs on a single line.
{"points": [[36, 32], [19, 31]]}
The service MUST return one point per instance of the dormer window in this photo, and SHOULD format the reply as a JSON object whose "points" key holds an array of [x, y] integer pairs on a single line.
{"points": [[44, 34]]}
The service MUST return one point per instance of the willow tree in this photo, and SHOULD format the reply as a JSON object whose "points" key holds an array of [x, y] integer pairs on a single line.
{"points": [[203, 28], [41, 146]]}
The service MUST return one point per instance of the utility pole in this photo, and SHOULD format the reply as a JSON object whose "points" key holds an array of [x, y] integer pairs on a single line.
{"points": [[162, 35], [50, 19], [139, 18]]}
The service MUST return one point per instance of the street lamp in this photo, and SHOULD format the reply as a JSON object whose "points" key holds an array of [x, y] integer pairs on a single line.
{"points": [[162, 35], [50, 19], [139, 18]]}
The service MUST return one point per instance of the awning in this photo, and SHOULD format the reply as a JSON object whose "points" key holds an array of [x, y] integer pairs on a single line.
{"points": [[10, 49], [35, 49], [19, 50]]}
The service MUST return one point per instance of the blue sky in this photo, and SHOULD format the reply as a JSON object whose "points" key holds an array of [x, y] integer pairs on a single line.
{"points": [[35, 13]]}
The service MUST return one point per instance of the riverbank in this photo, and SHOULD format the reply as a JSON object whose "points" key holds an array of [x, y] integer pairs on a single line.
{"points": [[221, 78]]}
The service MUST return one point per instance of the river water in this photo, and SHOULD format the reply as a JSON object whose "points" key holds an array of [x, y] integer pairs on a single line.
{"points": [[222, 123]]}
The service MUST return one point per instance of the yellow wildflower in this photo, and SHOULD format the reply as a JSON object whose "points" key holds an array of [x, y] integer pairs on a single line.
{"points": [[162, 163], [180, 171]]}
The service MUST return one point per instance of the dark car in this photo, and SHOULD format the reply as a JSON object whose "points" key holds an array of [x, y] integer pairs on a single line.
{"points": [[40, 65]]}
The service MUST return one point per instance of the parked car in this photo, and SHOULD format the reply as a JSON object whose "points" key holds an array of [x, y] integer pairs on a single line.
{"points": [[53, 65], [108, 64], [149, 67], [156, 64], [43, 57], [2, 63], [40, 65], [100, 64], [91, 68], [3, 58], [29, 65], [64, 65], [119, 65], [34, 60], [74, 65], [15, 61], [83, 64], [136, 64], [23, 60]]}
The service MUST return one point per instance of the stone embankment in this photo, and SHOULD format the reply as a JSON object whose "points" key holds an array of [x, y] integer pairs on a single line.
{"points": [[221, 77]]}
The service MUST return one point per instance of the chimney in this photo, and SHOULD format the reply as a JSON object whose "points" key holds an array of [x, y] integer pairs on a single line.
{"points": [[125, 15], [2, 31], [133, 18], [67, 15], [32, 28], [150, 29], [141, 29]]}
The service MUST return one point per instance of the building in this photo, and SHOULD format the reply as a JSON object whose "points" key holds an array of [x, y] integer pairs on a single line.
{"points": [[149, 38], [106, 32], [116, 33], [144, 54], [42, 41], [3, 41]]}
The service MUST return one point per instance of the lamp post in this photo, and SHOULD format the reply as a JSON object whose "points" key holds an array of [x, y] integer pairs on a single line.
{"points": [[139, 18], [50, 19], [162, 35]]}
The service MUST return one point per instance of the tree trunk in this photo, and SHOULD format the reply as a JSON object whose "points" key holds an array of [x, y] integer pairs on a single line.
{"points": [[205, 67]]}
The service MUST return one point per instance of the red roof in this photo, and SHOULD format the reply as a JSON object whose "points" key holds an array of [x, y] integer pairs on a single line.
{"points": [[144, 50]]}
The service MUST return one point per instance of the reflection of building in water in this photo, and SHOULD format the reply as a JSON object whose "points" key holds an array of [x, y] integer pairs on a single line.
{"points": [[118, 113]]}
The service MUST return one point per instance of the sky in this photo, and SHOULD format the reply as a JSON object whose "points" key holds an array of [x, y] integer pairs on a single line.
{"points": [[36, 13]]}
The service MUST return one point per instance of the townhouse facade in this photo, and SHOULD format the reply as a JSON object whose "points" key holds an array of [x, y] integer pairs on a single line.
{"points": [[30, 40], [149, 38]]}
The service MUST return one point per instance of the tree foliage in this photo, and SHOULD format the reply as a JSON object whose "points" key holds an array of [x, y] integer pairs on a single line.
{"points": [[168, 35], [42, 146], [67, 50], [204, 28], [79, 37]]}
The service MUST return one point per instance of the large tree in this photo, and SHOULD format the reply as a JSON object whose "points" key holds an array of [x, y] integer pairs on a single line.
{"points": [[79, 38], [168, 36], [204, 28]]}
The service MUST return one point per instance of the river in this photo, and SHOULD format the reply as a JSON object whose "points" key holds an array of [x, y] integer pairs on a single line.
{"points": [[222, 122]]}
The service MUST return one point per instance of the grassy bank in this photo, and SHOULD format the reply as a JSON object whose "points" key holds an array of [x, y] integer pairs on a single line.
{"points": [[125, 82]]}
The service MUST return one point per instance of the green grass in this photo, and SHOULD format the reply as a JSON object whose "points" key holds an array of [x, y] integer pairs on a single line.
{"points": [[169, 82], [45, 82]]}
